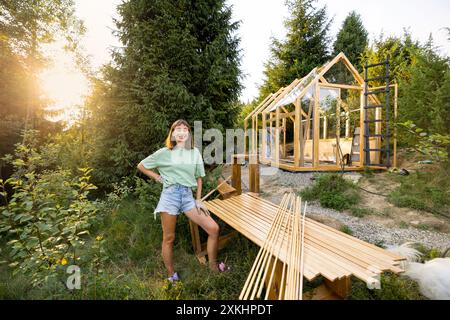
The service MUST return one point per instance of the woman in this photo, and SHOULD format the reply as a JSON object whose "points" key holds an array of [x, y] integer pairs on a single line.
{"points": [[180, 167]]}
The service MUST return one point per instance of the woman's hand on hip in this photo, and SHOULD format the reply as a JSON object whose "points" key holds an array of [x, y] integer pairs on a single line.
{"points": [[201, 208]]}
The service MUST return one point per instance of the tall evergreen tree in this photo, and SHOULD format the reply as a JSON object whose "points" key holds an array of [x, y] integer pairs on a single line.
{"points": [[425, 98], [305, 47], [351, 38], [180, 60]]}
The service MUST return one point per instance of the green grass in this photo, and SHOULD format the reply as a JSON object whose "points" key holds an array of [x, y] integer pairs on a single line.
{"points": [[360, 212], [135, 269], [393, 287], [346, 229], [427, 190], [403, 224], [332, 191]]}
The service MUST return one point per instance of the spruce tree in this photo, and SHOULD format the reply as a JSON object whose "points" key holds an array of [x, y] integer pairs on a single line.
{"points": [[305, 47], [180, 60], [351, 38]]}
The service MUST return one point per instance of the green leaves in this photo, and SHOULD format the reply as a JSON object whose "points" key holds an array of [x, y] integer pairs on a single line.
{"points": [[47, 216], [435, 146]]}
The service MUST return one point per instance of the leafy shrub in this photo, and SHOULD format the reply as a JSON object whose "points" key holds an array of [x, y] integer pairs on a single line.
{"points": [[434, 146], [47, 227], [48, 217], [333, 191]]}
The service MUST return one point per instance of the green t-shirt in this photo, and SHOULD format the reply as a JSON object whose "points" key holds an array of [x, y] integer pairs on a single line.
{"points": [[178, 165]]}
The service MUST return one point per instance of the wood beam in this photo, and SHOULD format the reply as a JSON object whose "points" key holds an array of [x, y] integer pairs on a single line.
{"points": [[316, 127]]}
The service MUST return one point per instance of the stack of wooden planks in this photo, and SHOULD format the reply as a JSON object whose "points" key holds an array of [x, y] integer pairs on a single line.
{"points": [[327, 251], [288, 214]]}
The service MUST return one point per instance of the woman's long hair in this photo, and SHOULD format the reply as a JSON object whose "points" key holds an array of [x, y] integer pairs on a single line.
{"points": [[170, 140]]}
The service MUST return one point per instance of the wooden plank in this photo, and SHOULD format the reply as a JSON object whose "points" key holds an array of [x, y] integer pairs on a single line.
{"points": [[284, 137], [395, 127], [221, 182], [223, 240], [323, 261], [340, 86], [352, 69], [325, 127], [254, 275], [340, 287], [328, 240], [285, 91], [226, 191], [253, 230], [316, 128], [236, 175], [259, 106], [361, 130], [264, 135], [297, 130], [338, 132], [322, 292], [327, 255], [195, 236], [372, 246], [245, 135], [277, 136], [287, 114]]}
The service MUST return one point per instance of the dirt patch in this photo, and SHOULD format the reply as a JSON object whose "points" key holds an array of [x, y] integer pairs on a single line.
{"points": [[389, 215]]}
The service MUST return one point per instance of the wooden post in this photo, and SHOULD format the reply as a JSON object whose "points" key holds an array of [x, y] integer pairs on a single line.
{"points": [[284, 137], [245, 135], [253, 174], [338, 132], [271, 136], [256, 134], [264, 136], [297, 130], [340, 287], [196, 243], [277, 137], [361, 129], [316, 136], [325, 125], [395, 127], [253, 136], [347, 124], [274, 290], [236, 175], [378, 126]]}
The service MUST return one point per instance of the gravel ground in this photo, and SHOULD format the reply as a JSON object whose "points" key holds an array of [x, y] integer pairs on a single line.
{"points": [[274, 183]]}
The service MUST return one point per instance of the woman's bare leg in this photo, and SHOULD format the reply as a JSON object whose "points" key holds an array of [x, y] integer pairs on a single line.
{"points": [[212, 228], [168, 222]]}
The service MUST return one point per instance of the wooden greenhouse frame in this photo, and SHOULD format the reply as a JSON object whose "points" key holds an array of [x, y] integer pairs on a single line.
{"points": [[312, 150]]}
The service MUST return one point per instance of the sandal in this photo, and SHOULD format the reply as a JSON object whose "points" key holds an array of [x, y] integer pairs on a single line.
{"points": [[174, 277], [223, 267]]}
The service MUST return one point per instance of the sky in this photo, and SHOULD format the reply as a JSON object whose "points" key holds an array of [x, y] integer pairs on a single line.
{"points": [[263, 19]]}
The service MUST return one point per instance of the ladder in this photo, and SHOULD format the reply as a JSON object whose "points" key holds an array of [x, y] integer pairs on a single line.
{"points": [[367, 122]]}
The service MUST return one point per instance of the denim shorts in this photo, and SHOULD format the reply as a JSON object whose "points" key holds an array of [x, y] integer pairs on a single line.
{"points": [[175, 199]]}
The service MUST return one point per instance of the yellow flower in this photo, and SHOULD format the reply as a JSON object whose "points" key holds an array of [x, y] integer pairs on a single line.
{"points": [[63, 261], [99, 238]]}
